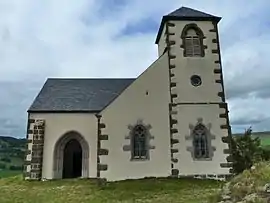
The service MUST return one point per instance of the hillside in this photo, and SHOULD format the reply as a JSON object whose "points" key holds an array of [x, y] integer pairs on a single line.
{"points": [[264, 137], [15, 190], [252, 186], [12, 152]]}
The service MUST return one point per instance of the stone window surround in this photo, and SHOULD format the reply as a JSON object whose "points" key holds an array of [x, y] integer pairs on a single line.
{"points": [[210, 137], [198, 78], [199, 33], [130, 138], [145, 138]]}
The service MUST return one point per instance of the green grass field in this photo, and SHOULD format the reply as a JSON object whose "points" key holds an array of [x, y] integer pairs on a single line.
{"points": [[265, 141], [15, 190], [8, 173]]}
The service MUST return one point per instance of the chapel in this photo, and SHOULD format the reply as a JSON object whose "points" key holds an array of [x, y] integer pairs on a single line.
{"points": [[170, 121]]}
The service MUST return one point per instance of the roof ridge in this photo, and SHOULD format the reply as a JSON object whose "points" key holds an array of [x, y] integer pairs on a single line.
{"points": [[185, 10]]}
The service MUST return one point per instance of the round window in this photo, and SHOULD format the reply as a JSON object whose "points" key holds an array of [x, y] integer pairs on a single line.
{"points": [[196, 80]]}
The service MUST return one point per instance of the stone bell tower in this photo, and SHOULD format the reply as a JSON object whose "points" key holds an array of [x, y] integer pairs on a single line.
{"points": [[199, 122]]}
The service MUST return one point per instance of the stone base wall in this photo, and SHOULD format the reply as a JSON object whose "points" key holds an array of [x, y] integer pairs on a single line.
{"points": [[34, 155]]}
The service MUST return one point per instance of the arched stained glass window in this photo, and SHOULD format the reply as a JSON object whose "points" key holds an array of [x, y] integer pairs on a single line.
{"points": [[139, 141], [200, 142]]}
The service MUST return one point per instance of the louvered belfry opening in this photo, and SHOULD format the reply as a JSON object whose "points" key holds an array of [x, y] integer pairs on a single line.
{"points": [[192, 43]]}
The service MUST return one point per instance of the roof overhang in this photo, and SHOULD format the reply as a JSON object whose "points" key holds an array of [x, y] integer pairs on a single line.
{"points": [[63, 111]]}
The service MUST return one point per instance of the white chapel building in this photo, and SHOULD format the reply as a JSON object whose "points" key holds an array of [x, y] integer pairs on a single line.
{"points": [[171, 121]]}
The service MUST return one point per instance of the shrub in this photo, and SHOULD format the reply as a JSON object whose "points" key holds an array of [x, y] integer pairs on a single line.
{"points": [[2, 166], [5, 159], [15, 168], [246, 151]]}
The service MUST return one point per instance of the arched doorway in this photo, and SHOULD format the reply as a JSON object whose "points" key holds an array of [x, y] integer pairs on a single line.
{"points": [[71, 156], [72, 163]]}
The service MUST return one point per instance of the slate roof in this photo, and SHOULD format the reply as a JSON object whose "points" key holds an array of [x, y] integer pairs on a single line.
{"points": [[189, 12], [78, 95], [185, 13]]}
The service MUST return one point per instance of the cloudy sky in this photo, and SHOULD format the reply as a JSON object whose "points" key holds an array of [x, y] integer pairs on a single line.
{"points": [[115, 38]]}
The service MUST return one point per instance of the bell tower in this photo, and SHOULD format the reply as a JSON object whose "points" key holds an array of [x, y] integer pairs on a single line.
{"points": [[199, 122]]}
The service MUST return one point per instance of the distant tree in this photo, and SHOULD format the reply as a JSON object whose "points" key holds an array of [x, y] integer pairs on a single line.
{"points": [[5, 159], [246, 151], [15, 168], [12, 148], [2, 166]]}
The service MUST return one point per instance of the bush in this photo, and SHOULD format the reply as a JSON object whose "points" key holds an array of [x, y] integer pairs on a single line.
{"points": [[2, 166], [248, 186], [15, 168], [266, 154], [7, 160], [246, 151]]}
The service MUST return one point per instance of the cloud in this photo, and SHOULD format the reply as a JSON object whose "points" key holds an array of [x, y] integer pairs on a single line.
{"points": [[115, 38], [250, 112], [250, 77], [15, 99]]}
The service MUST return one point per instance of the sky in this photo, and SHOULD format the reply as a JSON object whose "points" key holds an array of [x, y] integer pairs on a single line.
{"points": [[115, 38]]}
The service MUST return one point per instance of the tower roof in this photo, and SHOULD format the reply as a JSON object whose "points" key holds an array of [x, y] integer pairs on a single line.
{"points": [[185, 13]]}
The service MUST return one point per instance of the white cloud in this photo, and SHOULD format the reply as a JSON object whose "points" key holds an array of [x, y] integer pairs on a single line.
{"points": [[40, 39], [250, 112]]}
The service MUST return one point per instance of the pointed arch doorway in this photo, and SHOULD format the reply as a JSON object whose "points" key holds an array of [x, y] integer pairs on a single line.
{"points": [[72, 160], [71, 156]]}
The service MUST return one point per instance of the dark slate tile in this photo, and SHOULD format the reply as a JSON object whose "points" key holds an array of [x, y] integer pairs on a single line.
{"points": [[189, 12], [78, 94]]}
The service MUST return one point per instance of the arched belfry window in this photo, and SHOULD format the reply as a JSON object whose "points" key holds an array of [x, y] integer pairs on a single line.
{"points": [[139, 142], [200, 142], [192, 41]]}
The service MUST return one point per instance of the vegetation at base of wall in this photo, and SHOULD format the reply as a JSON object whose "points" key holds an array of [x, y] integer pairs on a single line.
{"points": [[251, 186], [15, 190], [246, 151]]}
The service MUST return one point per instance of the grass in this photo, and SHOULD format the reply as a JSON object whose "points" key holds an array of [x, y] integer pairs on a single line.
{"points": [[15, 190], [265, 141], [15, 161], [8, 173]]}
